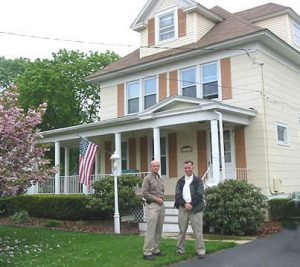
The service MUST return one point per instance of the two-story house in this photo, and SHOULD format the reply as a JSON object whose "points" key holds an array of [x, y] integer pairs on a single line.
{"points": [[219, 88]]}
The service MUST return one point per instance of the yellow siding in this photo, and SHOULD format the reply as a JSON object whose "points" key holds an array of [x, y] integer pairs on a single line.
{"points": [[109, 102]]}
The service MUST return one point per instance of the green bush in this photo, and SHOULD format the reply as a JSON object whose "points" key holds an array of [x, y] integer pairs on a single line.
{"points": [[20, 217], [3, 205], [103, 197], [234, 207], [53, 223], [277, 209]]}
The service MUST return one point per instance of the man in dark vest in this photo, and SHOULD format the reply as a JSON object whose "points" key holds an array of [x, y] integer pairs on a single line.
{"points": [[189, 200]]}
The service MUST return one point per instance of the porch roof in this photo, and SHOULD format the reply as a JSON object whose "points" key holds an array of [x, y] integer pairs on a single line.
{"points": [[174, 110]]}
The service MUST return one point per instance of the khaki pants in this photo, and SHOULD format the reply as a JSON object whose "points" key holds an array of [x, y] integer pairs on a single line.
{"points": [[196, 220], [155, 215]]}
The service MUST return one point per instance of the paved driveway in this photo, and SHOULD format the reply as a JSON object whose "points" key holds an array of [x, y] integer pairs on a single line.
{"points": [[279, 250]]}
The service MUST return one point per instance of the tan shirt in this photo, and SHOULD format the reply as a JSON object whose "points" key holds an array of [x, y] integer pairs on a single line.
{"points": [[153, 187]]}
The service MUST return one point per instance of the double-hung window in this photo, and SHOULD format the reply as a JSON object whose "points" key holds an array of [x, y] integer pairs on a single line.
{"points": [[124, 156], [132, 97], [188, 82], [210, 80], [166, 26], [150, 91], [296, 30], [282, 134]]}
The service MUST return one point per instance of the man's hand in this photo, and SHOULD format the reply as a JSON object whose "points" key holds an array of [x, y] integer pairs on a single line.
{"points": [[159, 200], [188, 206]]}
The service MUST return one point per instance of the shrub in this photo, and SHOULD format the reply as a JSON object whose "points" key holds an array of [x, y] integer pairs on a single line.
{"points": [[20, 217], [53, 223], [3, 205], [277, 208], [103, 197], [234, 207]]}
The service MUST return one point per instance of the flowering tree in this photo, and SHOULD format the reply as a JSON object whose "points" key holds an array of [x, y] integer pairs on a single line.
{"points": [[21, 158]]}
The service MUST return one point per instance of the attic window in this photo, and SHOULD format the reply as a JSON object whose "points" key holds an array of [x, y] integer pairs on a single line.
{"points": [[166, 26], [296, 29]]}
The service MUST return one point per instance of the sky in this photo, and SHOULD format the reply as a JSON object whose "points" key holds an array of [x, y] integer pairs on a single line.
{"points": [[106, 23]]}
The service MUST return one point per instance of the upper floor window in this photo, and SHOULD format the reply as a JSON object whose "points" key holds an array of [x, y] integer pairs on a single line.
{"points": [[282, 134], [132, 97], [150, 89], [210, 80], [166, 26], [296, 29], [188, 82]]}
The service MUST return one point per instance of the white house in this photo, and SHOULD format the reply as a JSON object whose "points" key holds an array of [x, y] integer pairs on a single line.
{"points": [[219, 88]]}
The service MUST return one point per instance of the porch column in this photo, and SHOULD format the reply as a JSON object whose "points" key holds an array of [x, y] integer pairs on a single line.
{"points": [[215, 151], [156, 143], [223, 171], [118, 152], [57, 165], [97, 167], [67, 170]]}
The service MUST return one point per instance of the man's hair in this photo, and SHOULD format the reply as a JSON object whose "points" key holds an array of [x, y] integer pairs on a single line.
{"points": [[188, 161]]}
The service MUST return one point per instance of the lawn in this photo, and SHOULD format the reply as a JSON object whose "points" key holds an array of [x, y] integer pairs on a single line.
{"points": [[20, 246]]}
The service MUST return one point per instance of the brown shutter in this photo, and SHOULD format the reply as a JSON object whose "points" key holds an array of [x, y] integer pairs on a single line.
{"points": [[181, 23], [162, 86], [172, 147], [240, 149], [108, 148], [132, 153], [144, 154], [173, 82], [226, 78], [151, 31], [202, 153], [120, 100]]}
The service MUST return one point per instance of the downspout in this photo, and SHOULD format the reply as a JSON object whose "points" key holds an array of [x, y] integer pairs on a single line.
{"points": [[221, 144]]}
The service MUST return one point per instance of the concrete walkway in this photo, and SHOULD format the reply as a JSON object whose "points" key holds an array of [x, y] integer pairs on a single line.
{"points": [[279, 250]]}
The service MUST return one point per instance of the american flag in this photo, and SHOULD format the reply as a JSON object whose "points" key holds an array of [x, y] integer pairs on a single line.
{"points": [[86, 160]]}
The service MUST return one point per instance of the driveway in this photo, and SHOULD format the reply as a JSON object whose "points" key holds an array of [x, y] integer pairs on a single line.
{"points": [[279, 250]]}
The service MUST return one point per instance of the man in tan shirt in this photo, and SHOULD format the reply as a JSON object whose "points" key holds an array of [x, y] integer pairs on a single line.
{"points": [[153, 193]]}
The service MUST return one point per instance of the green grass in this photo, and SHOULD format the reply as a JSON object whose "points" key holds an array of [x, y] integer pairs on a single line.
{"points": [[20, 246]]}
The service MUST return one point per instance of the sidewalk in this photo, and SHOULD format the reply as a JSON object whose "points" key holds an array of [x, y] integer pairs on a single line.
{"points": [[278, 250]]}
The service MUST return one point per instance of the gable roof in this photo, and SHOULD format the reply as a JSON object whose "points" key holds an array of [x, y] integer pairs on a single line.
{"points": [[234, 26]]}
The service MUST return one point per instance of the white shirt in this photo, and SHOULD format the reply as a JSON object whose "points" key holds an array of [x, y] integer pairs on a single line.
{"points": [[186, 192]]}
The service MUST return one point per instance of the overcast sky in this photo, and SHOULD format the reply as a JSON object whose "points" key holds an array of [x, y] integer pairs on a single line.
{"points": [[100, 21]]}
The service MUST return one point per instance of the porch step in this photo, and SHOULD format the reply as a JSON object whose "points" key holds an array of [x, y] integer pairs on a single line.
{"points": [[171, 220]]}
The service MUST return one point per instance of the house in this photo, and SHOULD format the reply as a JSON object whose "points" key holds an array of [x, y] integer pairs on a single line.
{"points": [[219, 88]]}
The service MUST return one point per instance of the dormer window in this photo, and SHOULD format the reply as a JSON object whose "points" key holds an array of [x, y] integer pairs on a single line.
{"points": [[296, 29], [166, 26]]}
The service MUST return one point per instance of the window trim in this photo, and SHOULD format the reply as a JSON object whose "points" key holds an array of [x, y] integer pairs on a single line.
{"points": [[127, 99], [157, 29], [217, 62], [279, 142], [144, 87], [296, 37], [196, 78]]}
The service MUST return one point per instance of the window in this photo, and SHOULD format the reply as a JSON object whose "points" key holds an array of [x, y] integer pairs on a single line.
{"points": [[124, 156], [282, 134], [166, 26], [132, 97], [296, 30], [227, 146], [210, 80], [188, 82], [150, 89]]}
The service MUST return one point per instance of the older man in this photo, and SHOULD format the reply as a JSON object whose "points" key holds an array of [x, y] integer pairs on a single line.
{"points": [[153, 193]]}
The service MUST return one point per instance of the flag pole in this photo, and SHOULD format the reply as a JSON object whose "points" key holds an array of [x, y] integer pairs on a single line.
{"points": [[114, 159]]}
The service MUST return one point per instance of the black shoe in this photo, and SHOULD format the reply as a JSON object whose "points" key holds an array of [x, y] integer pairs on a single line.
{"points": [[201, 256], [159, 253], [149, 257]]}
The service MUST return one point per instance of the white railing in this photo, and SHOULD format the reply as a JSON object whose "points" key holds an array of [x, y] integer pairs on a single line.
{"points": [[71, 184]]}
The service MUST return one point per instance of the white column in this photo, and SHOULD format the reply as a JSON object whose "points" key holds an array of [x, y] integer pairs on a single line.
{"points": [[118, 152], [57, 165], [222, 145], [156, 143], [215, 151], [67, 170], [97, 166]]}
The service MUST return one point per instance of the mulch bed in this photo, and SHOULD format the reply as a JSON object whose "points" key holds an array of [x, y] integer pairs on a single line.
{"points": [[269, 228]]}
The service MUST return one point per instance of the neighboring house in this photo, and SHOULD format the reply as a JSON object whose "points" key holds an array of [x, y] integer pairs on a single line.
{"points": [[219, 88]]}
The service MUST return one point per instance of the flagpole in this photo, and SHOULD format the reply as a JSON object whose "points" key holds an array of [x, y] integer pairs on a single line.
{"points": [[114, 159]]}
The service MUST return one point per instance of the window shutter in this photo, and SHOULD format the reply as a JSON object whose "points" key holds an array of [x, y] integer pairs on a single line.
{"points": [[143, 154], [132, 153], [108, 148], [240, 148], [181, 23], [226, 78], [202, 153], [151, 32], [172, 147], [162, 86], [120, 95], [173, 82]]}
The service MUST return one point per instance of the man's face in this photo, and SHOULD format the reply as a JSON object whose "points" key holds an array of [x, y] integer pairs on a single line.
{"points": [[155, 167], [188, 169]]}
